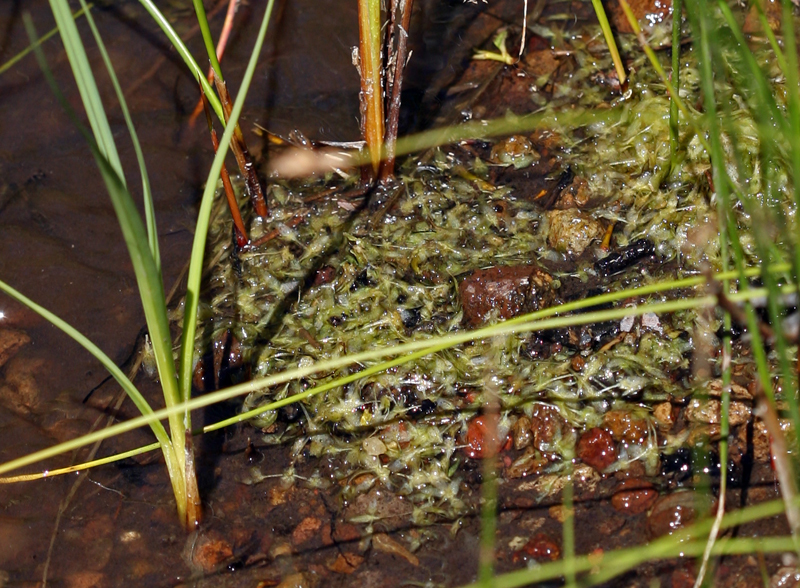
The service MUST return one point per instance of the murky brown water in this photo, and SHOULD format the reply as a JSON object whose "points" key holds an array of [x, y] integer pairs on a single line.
{"points": [[60, 244]]}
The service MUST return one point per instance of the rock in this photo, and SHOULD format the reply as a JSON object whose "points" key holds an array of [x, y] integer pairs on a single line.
{"points": [[19, 391], [209, 552], [382, 542], [701, 434], [530, 462], [480, 438], [571, 231], [86, 580], [662, 413], [647, 12], [576, 195], [559, 513], [346, 563], [710, 412], [674, 511], [634, 502], [542, 548], [504, 292], [547, 426], [540, 62], [596, 448], [305, 530], [515, 150], [521, 433], [11, 340], [373, 446], [737, 392], [624, 427], [785, 577], [344, 532]]}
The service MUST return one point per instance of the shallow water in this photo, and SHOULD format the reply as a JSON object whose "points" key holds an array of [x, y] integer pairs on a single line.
{"points": [[59, 243]]}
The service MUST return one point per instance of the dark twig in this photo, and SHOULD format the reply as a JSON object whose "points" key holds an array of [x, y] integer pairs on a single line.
{"points": [[400, 56], [780, 460], [738, 315], [243, 158]]}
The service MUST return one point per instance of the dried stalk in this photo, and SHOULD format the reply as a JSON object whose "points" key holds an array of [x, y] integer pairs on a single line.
{"points": [[369, 26], [242, 155], [396, 76]]}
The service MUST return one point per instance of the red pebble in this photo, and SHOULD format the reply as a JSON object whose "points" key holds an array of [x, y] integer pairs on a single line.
{"points": [[634, 501], [541, 547], [479, 441], [596, 448]]}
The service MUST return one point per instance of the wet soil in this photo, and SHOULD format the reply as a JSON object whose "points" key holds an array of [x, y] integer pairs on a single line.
{"points": [[59, 244]]}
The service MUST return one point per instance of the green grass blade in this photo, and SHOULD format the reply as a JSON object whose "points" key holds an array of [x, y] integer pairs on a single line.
{"points": [[408, 352], [609, 37], [90, 96], [148, 279], [205, 31], [98, 353], [149, 212], [183, 51], [674, 138], [51, 33], [186, 364]]}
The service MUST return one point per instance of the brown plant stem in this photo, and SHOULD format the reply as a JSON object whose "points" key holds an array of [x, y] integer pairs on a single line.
{"points": [[400, 55], [227, 28], [193, 502], [371, 97], [242, 155], [781, 461], [238, 223]]}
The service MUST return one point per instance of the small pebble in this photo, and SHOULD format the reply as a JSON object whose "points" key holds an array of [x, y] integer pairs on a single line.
{"points": [[596, 448]]}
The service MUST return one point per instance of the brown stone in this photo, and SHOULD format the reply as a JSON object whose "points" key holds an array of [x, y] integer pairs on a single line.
{"points": [[710, 412], [662, 413], [86, 579], [559, 512], [625, 427], [19, 392], [547, 425], [297, 580], [773, 12], [306, 530], [674, 511], [596, 448], [634, 502], [504, 292], [210, 552], [576, 195], [542, 548], [346, 563], [11, 340], [344, 532], [530, 462], [521, 433], [571, 231], [481, 440]]}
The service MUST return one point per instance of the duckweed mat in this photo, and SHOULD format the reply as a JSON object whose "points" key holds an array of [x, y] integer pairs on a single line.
{"points": [[470, 234]]}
